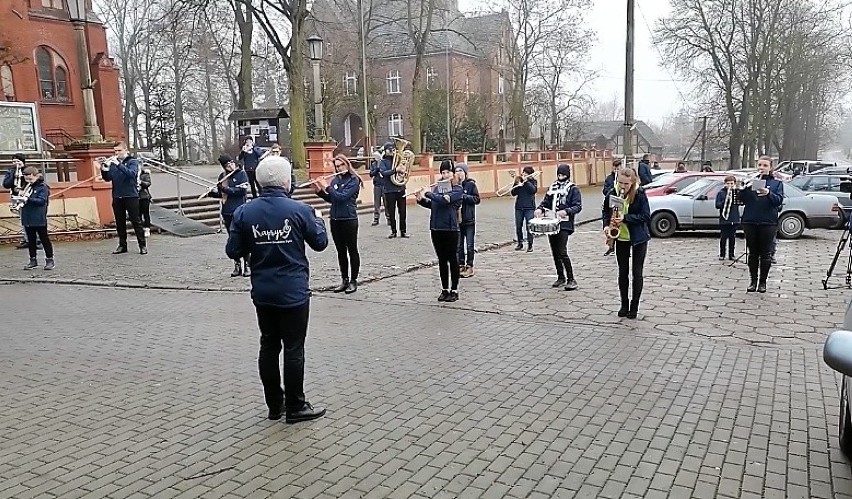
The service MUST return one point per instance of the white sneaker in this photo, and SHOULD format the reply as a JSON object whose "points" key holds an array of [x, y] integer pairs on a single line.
{"points": [[147, 232]]}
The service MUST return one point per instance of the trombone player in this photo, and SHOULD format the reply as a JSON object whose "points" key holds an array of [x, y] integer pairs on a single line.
{"points": [[123, 171], [524, 191]]}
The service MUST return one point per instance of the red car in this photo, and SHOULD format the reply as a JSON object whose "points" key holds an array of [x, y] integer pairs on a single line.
{"points": [[671, 183]]}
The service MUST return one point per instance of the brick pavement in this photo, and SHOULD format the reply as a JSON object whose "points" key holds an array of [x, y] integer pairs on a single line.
{"points": [[162, 400]]}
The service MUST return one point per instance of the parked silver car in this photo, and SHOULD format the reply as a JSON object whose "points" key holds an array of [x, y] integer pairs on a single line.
{"points": [[694, 208], [837, 353]]}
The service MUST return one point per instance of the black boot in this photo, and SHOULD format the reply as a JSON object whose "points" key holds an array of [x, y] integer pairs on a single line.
{"points": [[238, 269], [765, 265], [634, 309], [623, 311], [33, 264], [353, 287], [560, 273], [344, 283], [246, 270], [753, 264], [570, 284]]}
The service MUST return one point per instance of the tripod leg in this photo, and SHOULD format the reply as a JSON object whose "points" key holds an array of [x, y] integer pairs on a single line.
{"points": [[844, 238]]}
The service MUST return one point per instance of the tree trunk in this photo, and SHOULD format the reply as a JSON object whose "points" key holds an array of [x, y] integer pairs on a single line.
{"points": [[211, 119], [245, 23]]}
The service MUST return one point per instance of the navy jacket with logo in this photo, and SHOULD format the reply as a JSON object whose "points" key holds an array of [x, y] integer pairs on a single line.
{"points": [[525, 195], [251, 160], [386, 169], [470, 198], [124, 177], [235, 196], [734, 216], [342, 193], [274, 229], [763, 210], [445, 214], [572, 204], [34, 212]]}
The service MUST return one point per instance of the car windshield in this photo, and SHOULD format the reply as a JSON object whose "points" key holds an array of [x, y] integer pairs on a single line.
{"points": [[697, 187], [663, 180]]}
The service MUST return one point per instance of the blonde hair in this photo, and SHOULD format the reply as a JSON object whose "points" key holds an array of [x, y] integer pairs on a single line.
{"points": [[634, 177]]}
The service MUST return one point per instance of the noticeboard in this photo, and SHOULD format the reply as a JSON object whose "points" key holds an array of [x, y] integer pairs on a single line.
{"points": [[19, 128]]}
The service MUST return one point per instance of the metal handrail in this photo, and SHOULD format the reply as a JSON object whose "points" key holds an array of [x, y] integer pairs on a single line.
{"points": [[178, 174]]}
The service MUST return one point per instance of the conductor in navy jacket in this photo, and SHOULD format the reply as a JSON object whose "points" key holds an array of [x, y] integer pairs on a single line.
{"points": [[125, 178], [760, 223], [273, 229]]}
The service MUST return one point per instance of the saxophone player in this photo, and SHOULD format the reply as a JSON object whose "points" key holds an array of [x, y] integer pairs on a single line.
{"points": [[762, 200], [632, 242], [14, 181], [609, 188], [729, 216]]}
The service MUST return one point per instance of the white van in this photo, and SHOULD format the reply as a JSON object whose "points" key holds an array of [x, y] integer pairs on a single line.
{"points": [[800, 167]]}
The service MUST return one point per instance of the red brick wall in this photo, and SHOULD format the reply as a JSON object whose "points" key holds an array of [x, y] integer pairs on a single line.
{"points": [[33, 27]]}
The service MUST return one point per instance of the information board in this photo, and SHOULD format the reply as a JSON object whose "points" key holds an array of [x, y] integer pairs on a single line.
{"points": [[19, 128]]}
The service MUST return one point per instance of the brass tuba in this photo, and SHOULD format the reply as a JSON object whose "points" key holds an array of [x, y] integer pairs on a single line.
{"points": [[402, 158]]}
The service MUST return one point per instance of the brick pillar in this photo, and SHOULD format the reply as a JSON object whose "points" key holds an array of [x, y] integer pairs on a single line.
{"points": [[491, 158], [319, 156], [89, 169], [426, 160], [515, 156], [460, 157]]}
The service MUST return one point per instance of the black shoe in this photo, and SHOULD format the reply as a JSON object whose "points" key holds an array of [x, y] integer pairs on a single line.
{"points": [[238, 270], [306, 413], [49, 264], [609, 252], [404, 235], [343, 285], [246, 270], [631, 314], [33, 264], [571, 285], [529, 250], [761, 288], [23, 245], [375, 223], [143, 250], [275, 414], [558, 283], [519, 247], [392, 236], [623, 311], [120, 250], [454, 296], [353, 287], [444, 295], [752, 287]]}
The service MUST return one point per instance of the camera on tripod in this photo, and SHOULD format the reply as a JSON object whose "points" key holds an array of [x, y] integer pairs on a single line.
{"points": [[846, 184]]}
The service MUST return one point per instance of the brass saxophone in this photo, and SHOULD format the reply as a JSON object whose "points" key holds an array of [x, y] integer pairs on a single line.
{"points": [[611, 233]]}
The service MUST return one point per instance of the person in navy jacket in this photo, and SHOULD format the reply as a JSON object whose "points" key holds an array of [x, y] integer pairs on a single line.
{"points": [[729, 217], [524, 192], [378, 187], [394, 194], [645, 175], [563, 200], [232, 192], [342, 193], [34, 216], [274, 229], [609, 188], [250, 156], [125, 178], [760, 223], [467, 226], [633, 237], [14, 181], [445, 201]]}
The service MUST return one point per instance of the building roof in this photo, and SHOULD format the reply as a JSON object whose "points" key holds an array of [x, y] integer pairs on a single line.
{"points": [[594, 130]]}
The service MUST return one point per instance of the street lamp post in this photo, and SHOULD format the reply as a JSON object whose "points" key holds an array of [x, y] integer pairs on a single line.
{"points": [[91, 131], [315, 54]]}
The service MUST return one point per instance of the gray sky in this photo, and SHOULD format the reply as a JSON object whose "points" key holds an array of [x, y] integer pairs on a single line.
{"points": [[656, 95]]}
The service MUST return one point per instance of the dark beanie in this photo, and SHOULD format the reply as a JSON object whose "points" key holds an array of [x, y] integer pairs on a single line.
{"points": [[528, 170], [447, 165], [224, 159], [20, 157], [563, 169]]}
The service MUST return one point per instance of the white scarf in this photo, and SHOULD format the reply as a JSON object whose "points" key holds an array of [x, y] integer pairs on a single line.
{"points": [[559, 190]]}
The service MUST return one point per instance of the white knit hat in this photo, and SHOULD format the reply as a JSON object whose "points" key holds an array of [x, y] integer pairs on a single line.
{"points": [[274, 171]]}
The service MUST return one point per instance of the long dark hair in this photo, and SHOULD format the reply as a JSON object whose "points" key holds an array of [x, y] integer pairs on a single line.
{"points": [[349, 167]]}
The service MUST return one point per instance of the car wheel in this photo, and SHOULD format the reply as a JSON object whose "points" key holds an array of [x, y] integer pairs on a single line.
{"points": [[845, 432], [791, 226], [663, 224], [841, 221]]}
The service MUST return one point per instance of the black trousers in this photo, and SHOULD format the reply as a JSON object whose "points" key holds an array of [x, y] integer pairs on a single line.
{"points": [[559, 250], [395, 201], [623, 250], [287, 327], [728, 238], [33, 236], [344, 233], [446, 244], [121, 208], [255, 187], [145, 212], [226, 221], [759, 239]]}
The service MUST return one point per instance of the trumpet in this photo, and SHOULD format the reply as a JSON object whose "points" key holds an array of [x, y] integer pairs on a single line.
{"points": [[326, 177], [746, 184], [508, 188], [107, 162]]}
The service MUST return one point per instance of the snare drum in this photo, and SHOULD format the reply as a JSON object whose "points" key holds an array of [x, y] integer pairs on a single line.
{"points": [[544, 226]]}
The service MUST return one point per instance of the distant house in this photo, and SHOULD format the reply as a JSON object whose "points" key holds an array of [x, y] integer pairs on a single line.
{"points": [[610, 135]]}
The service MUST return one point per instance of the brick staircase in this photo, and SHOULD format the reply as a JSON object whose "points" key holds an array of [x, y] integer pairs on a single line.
{"points": [[206, 210]]}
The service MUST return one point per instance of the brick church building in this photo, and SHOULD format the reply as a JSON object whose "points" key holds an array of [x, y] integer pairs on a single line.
{"points": [[39, 63]]}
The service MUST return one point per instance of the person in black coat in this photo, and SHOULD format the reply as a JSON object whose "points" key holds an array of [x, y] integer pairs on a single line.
{"points": [[634, 233], [378, 187], [342, 193], [524, 191], [124, 174], [729, 217], [232, 191], [445, 201], [564, 201], [394, 194], [250, 156], [609, 188], [145, 201], [467, 225], [36, 196], [760, 222], [14, 181], [644, 170]]}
